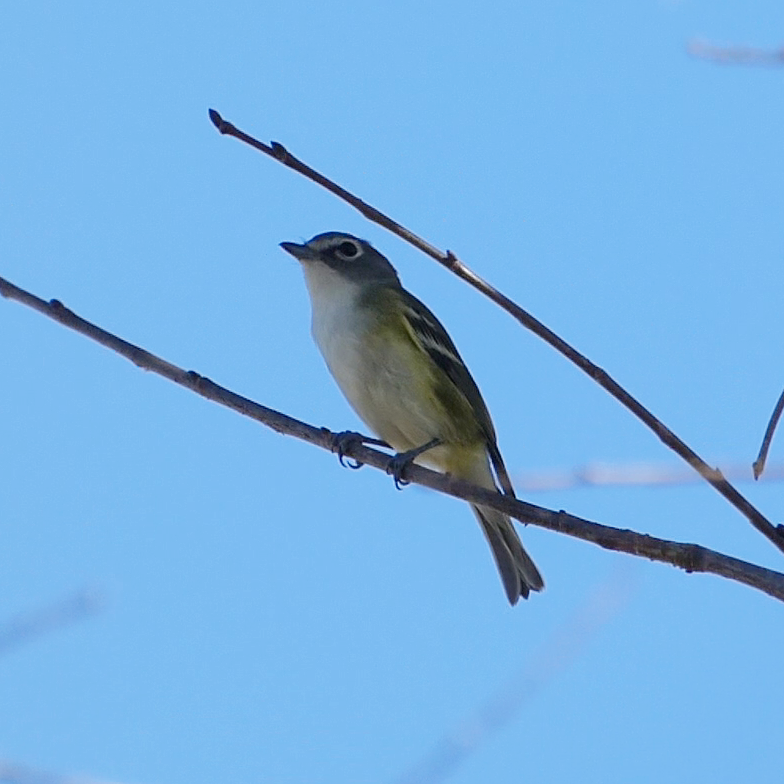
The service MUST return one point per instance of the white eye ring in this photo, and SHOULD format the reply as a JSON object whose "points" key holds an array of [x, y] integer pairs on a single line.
{"points": [[347, 250]]}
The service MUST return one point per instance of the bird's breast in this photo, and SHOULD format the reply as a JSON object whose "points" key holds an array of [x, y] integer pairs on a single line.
{"points": [[383, 374], [340, 328]]}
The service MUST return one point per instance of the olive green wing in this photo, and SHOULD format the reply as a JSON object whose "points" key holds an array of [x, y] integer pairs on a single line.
{"points": [[434, 339]]}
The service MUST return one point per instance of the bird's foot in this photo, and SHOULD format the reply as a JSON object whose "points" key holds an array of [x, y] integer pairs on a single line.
{"points": [[402, 460], [343, 441]]}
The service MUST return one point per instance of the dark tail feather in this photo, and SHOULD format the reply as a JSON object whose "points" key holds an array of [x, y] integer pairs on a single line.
{"points": [[518, 572]]}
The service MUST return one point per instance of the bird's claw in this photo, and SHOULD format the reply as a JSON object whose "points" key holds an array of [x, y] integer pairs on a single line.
{"points": [[402, 460], [343, 441], [397, 466]]}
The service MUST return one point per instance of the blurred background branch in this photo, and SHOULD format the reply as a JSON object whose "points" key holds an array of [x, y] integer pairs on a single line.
{"points": [[29, 625], [14, 773], [600, 474], [501, 708], [735, 55]]}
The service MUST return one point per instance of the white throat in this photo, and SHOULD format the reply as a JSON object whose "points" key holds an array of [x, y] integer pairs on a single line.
{"points": [[333, 300]]}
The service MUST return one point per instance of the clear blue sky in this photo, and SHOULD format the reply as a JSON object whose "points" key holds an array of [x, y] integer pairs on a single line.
{"points": [[271, 616]]}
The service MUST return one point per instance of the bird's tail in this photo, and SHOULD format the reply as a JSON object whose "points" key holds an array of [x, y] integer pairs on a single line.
{"points": [[518, 572]]}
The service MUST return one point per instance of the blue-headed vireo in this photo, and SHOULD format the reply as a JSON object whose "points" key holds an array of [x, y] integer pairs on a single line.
{"points": [[402, 374]]}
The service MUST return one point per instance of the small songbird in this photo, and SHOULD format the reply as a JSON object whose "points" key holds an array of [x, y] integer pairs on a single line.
{"points": [[402, 374]]}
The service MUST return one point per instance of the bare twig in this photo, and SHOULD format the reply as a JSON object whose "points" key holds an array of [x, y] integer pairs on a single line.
{"points": [[690, 557], [758, 466], [735, 55], [630, 475], [29, 625], [450, 261], [563, 647]]}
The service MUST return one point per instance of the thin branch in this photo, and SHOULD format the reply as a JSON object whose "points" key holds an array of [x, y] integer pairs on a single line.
{"points": [[690, 557], [735, 55], [27, 626], [711, 475], [758, 466]]}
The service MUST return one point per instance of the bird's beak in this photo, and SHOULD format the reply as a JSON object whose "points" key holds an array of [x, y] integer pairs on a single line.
{"points": [[299, 252]]}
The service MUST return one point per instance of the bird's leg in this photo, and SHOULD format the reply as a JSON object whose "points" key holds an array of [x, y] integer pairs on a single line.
{"points": [[348, 438], [401, 461]]}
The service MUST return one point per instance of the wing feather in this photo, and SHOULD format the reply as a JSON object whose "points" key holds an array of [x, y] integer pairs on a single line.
{"points": [[434, 339]]}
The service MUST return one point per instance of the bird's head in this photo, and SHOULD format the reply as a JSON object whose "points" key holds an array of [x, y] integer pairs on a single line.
{"points": [[350, 257]]}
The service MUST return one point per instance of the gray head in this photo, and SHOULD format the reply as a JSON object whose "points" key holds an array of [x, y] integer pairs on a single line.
{"points": [[353, 258]]}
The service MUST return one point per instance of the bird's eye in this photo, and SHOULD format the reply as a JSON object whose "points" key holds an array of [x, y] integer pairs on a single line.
{"points": [[348, 249]]}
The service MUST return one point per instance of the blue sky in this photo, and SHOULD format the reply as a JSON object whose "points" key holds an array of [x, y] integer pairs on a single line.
{"points": [[270, 616]]}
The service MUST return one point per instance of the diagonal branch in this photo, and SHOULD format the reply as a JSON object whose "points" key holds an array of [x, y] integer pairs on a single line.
{"points": [[711, 475], [690, 557]]}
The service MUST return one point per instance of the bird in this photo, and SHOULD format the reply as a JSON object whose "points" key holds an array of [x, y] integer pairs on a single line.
{"points": [[401, 373]]}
